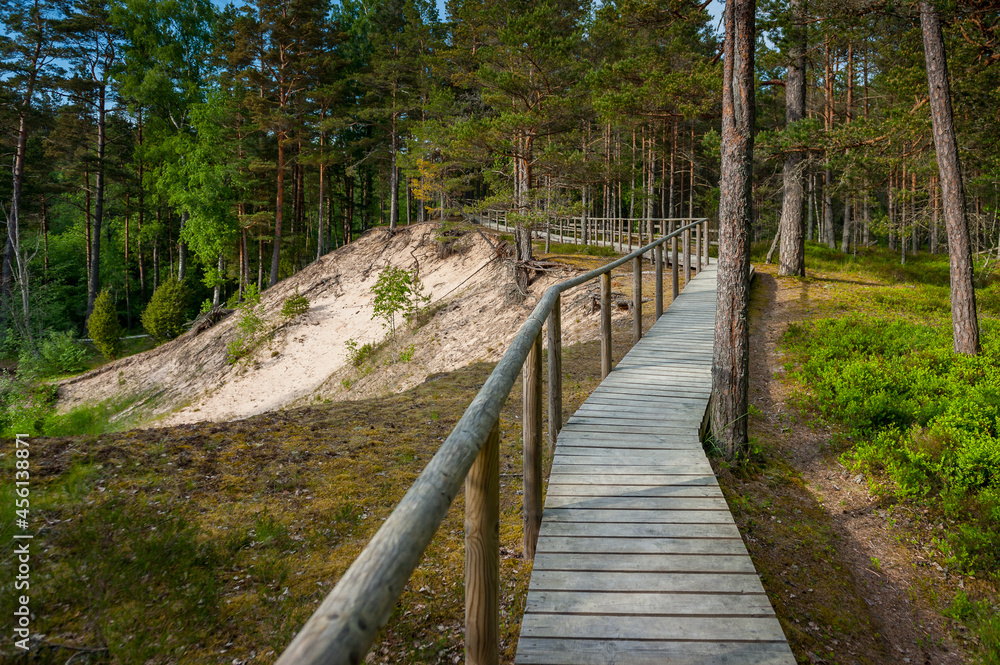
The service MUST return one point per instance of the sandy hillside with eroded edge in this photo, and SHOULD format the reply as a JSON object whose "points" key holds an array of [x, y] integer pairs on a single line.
{"points": [[189, 380]]}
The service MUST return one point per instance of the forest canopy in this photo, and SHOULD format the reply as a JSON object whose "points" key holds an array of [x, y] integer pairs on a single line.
{"points": [[226, 146]]}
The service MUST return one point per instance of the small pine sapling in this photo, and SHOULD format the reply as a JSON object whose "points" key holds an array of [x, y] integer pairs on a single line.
{"points": [[295, 305]]}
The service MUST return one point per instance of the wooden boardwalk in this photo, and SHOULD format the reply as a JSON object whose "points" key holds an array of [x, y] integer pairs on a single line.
{"points": [[639, 561]]}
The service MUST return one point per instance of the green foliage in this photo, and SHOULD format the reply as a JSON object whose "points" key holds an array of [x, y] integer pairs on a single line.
{"points": [[406, 355], [104, 327], [925, 419], [982, 615], [24, 405], [358, 355], [57, 353], [396, 291], [164, 315], [250, 327], [294, 305]]}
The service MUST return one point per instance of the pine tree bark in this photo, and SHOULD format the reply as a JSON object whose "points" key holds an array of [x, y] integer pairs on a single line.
{"points": [[731, 362], [792, 254], [965, 325], [278, 209], [94, 279]]}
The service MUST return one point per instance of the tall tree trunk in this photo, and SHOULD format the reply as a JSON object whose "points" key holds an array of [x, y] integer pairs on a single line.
{"points": [[393, 183], [868, 219], [94, 280], [845, 237], [792, 257], [731, 360], [139, 255], [182, 250], [810, 227], [965, 325], [321, 218], [934, 215], [278, 207], [828, 234], [522, 235], [12, 243], [673, 171]]}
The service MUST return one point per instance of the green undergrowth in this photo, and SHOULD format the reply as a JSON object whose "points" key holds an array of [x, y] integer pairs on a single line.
{"points": [[925, 420], [567, 248], [921, 422]]}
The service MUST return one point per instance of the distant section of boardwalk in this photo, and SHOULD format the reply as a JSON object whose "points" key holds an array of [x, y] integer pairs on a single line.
{"points": [[639, 561]]}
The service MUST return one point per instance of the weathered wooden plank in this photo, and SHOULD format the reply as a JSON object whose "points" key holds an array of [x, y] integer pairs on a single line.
{"points": [[559, 488], [638, 480], [637, 502], [589, 544], [646, 563], [647, 410], [700, 467], [609, 398], [642, 530], [659, 604], [557, 580], [658, 440], [624, 516], [639, 418], [754, 629], [563, 651], [618, 456], [690, 429]]}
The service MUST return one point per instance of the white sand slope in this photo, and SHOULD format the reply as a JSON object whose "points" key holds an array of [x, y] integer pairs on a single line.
{"points": [[189, 380]]}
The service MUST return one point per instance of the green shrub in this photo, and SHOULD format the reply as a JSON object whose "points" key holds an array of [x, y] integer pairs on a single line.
{"points": [[926, 421], [406, 355], [249, 327], [294, 305], [358, 355], [57, 353], [104, 327], [164, 315]]}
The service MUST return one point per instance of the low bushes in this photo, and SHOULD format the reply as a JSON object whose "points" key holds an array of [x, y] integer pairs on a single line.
{"points": [[926, 421]]}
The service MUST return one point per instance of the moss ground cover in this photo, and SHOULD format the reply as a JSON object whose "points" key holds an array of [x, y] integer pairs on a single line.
{"points": [[212, 543]]}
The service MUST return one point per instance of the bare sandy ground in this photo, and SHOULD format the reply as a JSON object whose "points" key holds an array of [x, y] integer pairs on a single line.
{"points": [[189, 379]]}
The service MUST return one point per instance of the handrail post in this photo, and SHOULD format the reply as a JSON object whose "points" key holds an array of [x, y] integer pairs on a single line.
{"points": [[636, 299], [555, 372], [605, 325], [658, 259], [532, 438], [686, 250], [697, 248], [482, 555], [673, 261], [707, 243]]}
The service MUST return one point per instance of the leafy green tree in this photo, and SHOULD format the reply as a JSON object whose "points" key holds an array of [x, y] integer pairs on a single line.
{"points": [[164, 316], [104, 327], [397, 292]]}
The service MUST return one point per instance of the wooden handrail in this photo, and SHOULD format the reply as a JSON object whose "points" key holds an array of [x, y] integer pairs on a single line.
{"points": [[344, 626]]}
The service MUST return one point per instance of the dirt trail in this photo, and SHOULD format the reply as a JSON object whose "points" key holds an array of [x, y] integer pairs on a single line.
{"points": [[189, 379], [876, 558]]}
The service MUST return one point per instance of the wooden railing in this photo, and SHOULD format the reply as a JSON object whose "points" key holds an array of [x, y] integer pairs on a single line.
{"points": [[621, 233], [344, 626]]}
